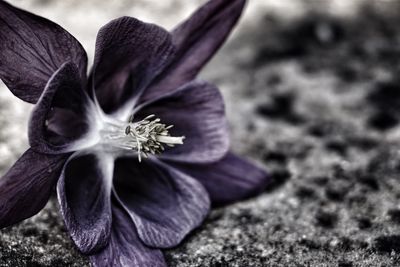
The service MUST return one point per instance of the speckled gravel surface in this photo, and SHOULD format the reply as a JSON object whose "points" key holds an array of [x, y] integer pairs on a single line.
{"points": [[312, 94]]}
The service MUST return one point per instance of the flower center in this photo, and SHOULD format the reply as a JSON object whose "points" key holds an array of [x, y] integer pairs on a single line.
{"points": [[147, 136]]}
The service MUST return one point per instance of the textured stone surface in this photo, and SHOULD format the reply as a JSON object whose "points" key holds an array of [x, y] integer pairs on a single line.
{"points": [[312, 93]]}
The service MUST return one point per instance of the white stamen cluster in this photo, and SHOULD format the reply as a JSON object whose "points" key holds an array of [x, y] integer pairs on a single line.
{"points": [[147, 136]]}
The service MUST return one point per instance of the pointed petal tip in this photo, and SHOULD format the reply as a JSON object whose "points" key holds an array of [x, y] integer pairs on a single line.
{"points": [[32, 49], [196, 39], [229, 180], [27, 186]]}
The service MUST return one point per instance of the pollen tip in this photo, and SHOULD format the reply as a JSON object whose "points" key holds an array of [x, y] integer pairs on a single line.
{"points": [[128, 130]]}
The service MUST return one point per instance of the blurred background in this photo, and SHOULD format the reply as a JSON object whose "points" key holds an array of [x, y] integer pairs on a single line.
{"points": [[312, 91]]}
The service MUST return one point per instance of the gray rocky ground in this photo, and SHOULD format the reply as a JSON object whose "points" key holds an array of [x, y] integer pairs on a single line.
{"points": [[313, 94]]}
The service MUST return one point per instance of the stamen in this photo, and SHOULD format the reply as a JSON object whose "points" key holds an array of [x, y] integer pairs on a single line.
{"points": [[147, 136]]}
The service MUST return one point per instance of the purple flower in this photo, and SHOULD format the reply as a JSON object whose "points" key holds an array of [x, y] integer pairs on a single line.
{"points": [[87, 133]]}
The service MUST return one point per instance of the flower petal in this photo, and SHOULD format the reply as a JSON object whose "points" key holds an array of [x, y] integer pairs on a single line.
{"points": [[197, 112], [197, 40], [32, 49], [61, 117], [125, 247], [129, 53], [84, 193], [228, 180], [164, 203], [27, 186]]}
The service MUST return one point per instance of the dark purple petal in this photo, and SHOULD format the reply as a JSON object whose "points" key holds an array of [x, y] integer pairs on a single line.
{"points": [[129, 53], [61, 115], [228, 180], [84, 193], [197, 112], [164, 203], [27, 186], [197, 40], [32, 49], [125, 247]]}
